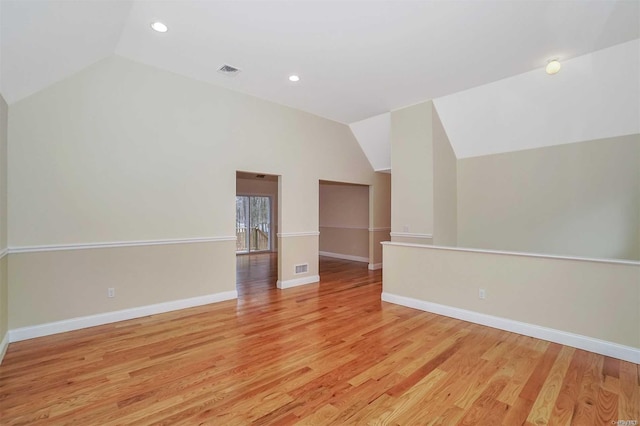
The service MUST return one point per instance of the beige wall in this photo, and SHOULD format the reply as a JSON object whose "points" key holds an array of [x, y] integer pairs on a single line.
{"points": [[412, 168], [344, 205], [119, 131], [350, 243], [4, 298], [4, 308], [295, 249], [73, 283], [263, 188], [126, 152], [3, 173], [445, 192], [580, 199], [379, 217], [598, 300], [344, 219]]}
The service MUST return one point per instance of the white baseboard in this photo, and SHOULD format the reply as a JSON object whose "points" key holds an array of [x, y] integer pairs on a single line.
{"points": [[375, 266], [4, 345], [602, 347], [40, 330], [344, 256], [298, 281]]}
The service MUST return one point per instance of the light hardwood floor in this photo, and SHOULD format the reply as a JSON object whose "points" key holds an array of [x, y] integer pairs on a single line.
{"points": [[331, 353]]}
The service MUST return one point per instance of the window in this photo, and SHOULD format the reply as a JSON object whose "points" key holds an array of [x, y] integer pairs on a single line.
{"points": [[253, 224]]}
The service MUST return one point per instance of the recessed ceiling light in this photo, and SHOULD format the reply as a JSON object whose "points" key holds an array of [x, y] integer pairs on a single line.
{"points": [[159, 27], [553, 67], [294, 78]]}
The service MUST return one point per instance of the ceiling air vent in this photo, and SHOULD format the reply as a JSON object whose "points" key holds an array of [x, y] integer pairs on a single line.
{"points": [[228, 70]]}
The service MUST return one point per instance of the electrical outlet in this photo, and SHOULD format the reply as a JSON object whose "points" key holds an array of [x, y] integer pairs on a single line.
{"points": [[482, 293], [405, 228], [111, 292]]}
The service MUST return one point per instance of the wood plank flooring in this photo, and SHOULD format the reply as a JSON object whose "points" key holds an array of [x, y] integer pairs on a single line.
{"points": [[331, 353]]}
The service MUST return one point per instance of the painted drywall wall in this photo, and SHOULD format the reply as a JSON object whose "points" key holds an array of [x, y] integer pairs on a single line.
{"points": [[143, 275], [344, 205], [412, 168], [594, 96], [4, 304], [264, 188], [379, 217], [344, 220], [122, 130], [594, 299], [580, 199], [294, 250], [4, 307], [126, 152], [445, 187], [3, 173], [424, 189]]}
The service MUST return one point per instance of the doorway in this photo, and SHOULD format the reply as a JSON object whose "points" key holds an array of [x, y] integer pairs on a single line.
{"points": [[257, 215], [344, 221]]}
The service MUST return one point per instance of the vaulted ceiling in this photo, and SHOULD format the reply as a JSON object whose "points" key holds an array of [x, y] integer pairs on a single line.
{"points": [[356, 59]]}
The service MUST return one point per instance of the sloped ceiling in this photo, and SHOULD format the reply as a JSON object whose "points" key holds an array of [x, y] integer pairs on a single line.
{"points": [[42, 42], [356, 59], [594, 96], [374, 136]]}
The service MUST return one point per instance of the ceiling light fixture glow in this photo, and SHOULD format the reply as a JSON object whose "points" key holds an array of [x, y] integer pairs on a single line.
{"points": [[553, 67], [294, 78], [159, 27]]}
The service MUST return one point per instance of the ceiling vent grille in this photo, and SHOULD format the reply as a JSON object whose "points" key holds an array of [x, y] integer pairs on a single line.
{"points": [[228, 70]]}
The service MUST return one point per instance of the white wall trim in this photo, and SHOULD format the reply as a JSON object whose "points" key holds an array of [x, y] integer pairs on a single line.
{"points": [[4, 345], [344, 256], [514, 253], [297, 234], [411, 235], [602, 347], [344, 227], [375, 266], [4, 252], [40, 330], [298, 281], [379, 229], [83, 246]]}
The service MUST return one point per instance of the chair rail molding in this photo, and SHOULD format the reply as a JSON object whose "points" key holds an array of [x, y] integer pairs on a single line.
{"points": [[135, 243]]}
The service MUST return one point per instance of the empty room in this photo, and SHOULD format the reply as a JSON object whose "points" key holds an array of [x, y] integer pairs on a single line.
{"points": [[319, 212]]}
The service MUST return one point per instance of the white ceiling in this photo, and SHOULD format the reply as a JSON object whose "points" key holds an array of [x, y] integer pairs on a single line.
{"points": [[42, 42], [594, 96], [374, 136], [356, 59]]}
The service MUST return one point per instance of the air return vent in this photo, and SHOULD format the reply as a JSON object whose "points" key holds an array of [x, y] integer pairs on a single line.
{"points": [[301, 269], [228, 70]]}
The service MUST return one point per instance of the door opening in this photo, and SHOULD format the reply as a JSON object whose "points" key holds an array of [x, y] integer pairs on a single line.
{"points": [[344, 221]]}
